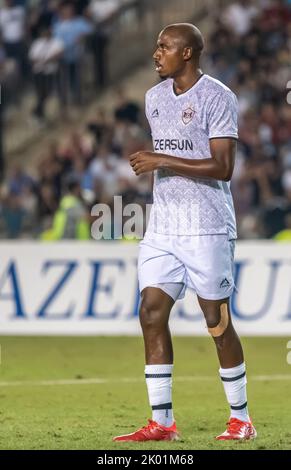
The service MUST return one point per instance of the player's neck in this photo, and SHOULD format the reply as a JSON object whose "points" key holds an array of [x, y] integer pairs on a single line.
{"points": [[184, 82]]}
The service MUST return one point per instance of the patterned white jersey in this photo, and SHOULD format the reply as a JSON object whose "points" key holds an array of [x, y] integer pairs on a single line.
{"points": [[181, 126]]}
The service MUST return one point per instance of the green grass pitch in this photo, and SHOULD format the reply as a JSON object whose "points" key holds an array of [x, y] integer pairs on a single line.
{"points": [[48, 402]]}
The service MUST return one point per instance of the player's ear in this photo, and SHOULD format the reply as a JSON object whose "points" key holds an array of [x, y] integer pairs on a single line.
{"points": [[187, 53]]}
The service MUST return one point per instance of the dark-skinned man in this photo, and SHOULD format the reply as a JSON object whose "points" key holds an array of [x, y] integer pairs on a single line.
{"points": [[189, 240]]}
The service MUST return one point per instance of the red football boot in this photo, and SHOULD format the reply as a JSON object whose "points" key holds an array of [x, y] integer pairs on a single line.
{"points": [[238, 430], [152, 432]]}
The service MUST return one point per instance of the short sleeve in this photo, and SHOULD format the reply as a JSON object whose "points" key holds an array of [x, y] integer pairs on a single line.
{"points": [[222, 116]]}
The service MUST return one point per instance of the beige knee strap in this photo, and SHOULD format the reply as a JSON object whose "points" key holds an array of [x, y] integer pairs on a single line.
{"points": [[219, 329]]}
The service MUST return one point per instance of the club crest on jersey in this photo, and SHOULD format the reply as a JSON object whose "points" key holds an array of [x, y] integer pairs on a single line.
{"points": [[187, 115]]}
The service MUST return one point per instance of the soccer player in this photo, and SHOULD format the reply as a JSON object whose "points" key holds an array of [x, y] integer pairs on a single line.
{"points": [[190, 237]]}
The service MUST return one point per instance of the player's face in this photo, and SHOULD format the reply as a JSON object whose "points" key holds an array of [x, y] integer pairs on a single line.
{"points": [[168, 56]]}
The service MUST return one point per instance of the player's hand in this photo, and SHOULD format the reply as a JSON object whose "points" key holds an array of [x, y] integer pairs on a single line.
{"points": [[144, 162]]}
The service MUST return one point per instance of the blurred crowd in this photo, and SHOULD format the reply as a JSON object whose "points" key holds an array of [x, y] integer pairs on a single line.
{"points": [[248, 49], [86, 166], [45, 42]]}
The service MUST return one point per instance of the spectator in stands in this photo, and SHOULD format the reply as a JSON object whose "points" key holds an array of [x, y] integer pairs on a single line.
{"points": [[13, 32], [19, 181], [103, 10], [71, 220], [72, 31], [102, 13], [45, 54], [239, 16], [13, 215], [104, 171]]}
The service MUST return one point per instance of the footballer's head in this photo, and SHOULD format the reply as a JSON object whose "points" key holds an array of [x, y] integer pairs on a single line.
{"points": [[178, 45]]}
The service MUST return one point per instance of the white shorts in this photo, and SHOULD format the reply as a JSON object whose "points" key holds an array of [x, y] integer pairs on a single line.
{"points": [[202, 263]]}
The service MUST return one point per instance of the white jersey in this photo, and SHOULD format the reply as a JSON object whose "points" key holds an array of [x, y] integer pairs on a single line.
{"points": [[181, 126]]}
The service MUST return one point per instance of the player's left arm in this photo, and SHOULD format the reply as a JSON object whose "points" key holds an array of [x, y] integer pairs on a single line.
{"points": [[219, 166]]}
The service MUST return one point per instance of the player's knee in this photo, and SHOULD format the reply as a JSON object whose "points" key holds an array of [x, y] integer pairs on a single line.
{"points": [[150, 314], [217, 321], [212, 319]]}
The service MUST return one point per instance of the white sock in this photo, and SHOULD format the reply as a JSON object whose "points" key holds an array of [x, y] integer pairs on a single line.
{"points": [[159, 384], [234, 383]]}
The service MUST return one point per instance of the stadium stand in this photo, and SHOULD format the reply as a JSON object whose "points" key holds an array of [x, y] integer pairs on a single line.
{"points": [[256, 66]]}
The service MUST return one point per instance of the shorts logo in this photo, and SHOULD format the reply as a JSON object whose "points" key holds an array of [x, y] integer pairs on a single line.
{"points": [[155, 113], [225, 283], [187, 115]]}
